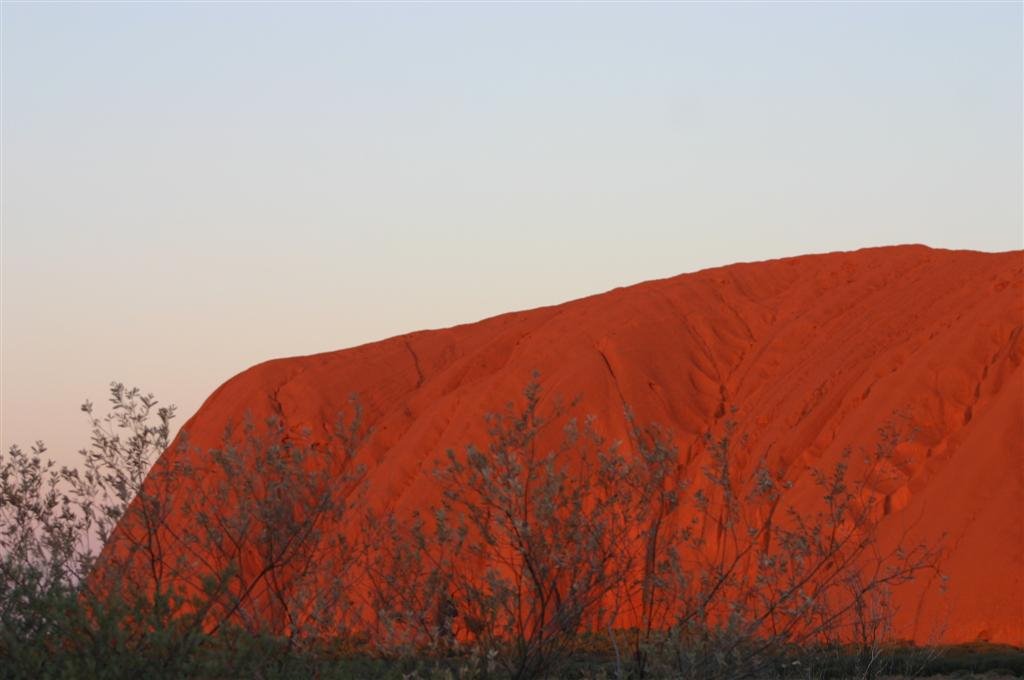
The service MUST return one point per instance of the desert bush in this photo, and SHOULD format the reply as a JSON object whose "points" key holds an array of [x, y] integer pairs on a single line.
{"points": [[696, 565], [408, 583], [552, 550], [542, 535], [243, 535], [117, 567], [744, 584], [54, 521]]}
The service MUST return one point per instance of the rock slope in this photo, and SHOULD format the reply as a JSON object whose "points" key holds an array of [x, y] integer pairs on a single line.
{"points": [[815, 353]]}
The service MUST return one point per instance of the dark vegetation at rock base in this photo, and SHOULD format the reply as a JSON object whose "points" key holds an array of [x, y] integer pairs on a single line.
{"points": [[551, 552]]}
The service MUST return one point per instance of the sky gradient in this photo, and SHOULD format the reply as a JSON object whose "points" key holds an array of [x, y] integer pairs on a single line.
{"points": [[189, 189]]}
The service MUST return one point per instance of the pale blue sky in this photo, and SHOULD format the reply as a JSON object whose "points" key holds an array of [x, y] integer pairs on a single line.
{"points": [[191, 188]]}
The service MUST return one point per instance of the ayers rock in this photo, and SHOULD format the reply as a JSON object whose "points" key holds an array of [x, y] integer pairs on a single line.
{"points": [[815, 353]]}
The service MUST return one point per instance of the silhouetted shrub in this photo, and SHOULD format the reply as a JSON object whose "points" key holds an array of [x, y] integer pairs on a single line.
{"points": [[552, 551]]}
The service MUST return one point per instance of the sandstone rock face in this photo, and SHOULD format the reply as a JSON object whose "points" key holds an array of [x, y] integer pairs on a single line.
{"points": [[815, 353]]}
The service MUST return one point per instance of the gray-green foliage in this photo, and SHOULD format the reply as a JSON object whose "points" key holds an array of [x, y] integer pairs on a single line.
{"points": [[552, 551], [53, 523], [213, 547], [547, 544]]}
